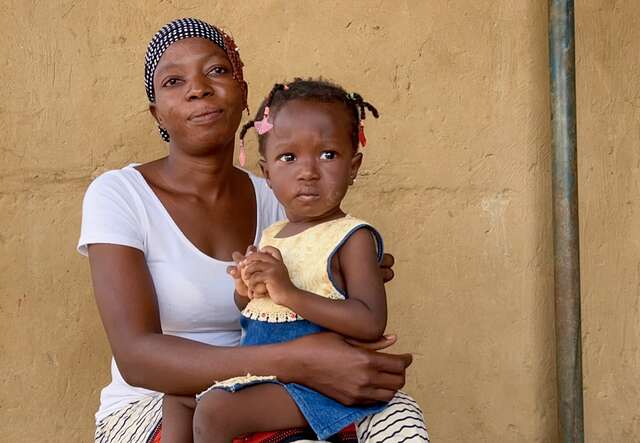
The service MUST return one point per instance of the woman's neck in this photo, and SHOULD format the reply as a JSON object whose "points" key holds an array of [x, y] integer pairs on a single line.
{"points": [[200, 175]]}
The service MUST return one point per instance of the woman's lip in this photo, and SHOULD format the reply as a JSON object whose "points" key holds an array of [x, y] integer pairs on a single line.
{"points": [[207, 116]]}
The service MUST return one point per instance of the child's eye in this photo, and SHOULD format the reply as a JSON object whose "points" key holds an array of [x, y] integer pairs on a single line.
{"points": [[288, 157], [328, 155], [172, 81]]}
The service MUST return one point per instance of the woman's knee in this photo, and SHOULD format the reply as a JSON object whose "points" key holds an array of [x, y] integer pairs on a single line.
{"points": [[402, 420]]}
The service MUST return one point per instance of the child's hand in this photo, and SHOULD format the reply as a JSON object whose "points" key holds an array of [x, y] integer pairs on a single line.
{"points": [[257, 290], [235, 273], [266, 267]]}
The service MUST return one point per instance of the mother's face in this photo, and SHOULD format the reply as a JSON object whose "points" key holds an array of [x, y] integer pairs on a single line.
{"points": [[197, 99]]}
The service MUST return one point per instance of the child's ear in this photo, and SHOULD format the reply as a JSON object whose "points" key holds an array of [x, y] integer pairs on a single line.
{"points": [[356, 161], [265, 170]]}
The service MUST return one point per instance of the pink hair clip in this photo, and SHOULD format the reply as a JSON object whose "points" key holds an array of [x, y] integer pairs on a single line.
{"points": [[242, 156], [263, 126]]}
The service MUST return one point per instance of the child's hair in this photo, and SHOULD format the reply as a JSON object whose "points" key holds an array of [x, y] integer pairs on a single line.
{"points": [[313, 90]]}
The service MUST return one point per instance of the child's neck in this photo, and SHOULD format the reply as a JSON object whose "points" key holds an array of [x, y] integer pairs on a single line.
{"points": [[298, 224]]}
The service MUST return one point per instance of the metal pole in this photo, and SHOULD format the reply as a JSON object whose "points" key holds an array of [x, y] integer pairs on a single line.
{"points": [[565, 219]]}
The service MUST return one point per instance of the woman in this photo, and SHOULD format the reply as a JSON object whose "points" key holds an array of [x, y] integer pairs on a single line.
{"points": [[160, 236]]}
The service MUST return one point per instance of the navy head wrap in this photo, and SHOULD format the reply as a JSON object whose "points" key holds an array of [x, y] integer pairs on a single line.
{"points": [[188, 28]]}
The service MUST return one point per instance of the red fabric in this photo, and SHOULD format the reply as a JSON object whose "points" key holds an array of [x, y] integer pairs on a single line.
{"points": [[361, 137], [348, 434], [155, 437]]}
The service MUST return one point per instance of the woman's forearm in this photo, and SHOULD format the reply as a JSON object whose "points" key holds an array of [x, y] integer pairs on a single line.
{"points": [[181, 366]]}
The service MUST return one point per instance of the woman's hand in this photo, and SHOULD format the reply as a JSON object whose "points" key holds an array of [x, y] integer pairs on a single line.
{"points": [[328, 363], [386, 267]]}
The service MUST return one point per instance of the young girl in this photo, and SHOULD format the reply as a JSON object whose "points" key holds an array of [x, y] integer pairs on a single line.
{"points": [[316, 271]]}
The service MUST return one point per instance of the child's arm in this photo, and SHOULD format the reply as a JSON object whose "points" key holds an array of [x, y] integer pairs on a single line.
{"points": [[363, 315]]}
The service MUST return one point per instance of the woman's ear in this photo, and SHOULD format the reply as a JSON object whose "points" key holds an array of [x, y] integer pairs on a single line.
{"points": [[265, 170], [154, 111], [356, 161], [245, 92]]}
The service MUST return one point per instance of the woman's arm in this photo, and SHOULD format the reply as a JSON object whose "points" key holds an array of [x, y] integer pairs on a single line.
{"points": [[146, 358], [363, 315]]}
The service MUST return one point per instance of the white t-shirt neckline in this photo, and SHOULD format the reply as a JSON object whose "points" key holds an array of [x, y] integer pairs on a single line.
{"points": [[154, 197]]}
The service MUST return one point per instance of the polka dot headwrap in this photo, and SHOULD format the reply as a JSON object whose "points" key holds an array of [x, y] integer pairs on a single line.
{"points": [[187, 28]]}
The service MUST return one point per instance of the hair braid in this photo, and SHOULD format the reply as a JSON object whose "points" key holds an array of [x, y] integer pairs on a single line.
{"points": [[311, 90], [245, 128]]}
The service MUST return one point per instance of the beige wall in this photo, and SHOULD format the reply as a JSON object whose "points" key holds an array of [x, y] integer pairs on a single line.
{"points": [[457, 177]]}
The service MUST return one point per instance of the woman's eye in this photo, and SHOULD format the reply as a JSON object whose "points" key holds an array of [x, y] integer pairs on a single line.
{"points": [[328, 155], [288, 157], [218, 70], [171, 82]]}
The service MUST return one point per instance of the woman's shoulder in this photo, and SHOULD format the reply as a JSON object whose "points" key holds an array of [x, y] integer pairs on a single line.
{"points": [[259, 183], [269, 207], [114, 180], [112, 211]]}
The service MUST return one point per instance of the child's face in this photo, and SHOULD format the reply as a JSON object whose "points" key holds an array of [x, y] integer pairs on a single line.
{"points": [[309, 161]]}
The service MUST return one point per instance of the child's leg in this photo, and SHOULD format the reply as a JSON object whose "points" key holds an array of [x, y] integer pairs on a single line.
{"points": [[220, 415], [177, 419]]}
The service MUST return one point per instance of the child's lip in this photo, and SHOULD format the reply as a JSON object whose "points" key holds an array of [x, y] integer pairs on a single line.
{"points": [[307, 195]]}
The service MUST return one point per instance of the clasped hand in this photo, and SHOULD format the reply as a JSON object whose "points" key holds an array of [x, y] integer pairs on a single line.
{"points": [[261, 273]]}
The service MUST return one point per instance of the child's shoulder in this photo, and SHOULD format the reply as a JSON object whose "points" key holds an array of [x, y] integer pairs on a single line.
{"points": [[350, 223], [357, 231]]}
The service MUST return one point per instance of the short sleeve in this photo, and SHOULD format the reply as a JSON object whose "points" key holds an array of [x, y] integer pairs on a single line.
{"points": [[109, 214]]}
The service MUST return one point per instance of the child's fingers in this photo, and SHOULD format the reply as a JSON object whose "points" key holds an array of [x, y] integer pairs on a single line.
{"points": [[237, 257], [260, 256], [256, 279], [274, 252], [251, 249], [260, 291], [233, 271], [254, 267]]}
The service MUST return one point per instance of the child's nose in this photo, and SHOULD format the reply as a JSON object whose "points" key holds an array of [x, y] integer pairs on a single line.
{"points": [[308, 170]]}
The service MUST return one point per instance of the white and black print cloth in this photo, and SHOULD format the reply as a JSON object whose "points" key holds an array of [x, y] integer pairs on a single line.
{"points": [[400, 422]]}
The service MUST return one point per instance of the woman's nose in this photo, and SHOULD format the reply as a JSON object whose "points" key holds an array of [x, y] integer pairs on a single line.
{"points": [[199, 88]]}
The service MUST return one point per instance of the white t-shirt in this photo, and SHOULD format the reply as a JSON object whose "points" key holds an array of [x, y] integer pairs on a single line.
{"points": [[195, 294]]}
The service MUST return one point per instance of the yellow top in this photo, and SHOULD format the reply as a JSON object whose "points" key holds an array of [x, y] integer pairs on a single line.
{"points": [[307, 255]]}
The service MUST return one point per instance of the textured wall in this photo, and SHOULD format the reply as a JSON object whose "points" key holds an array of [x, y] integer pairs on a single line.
{"points": [[456, 176], [608, 80]]}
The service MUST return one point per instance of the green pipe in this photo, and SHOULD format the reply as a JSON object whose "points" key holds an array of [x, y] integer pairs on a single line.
{"points": [[565, 220]]}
